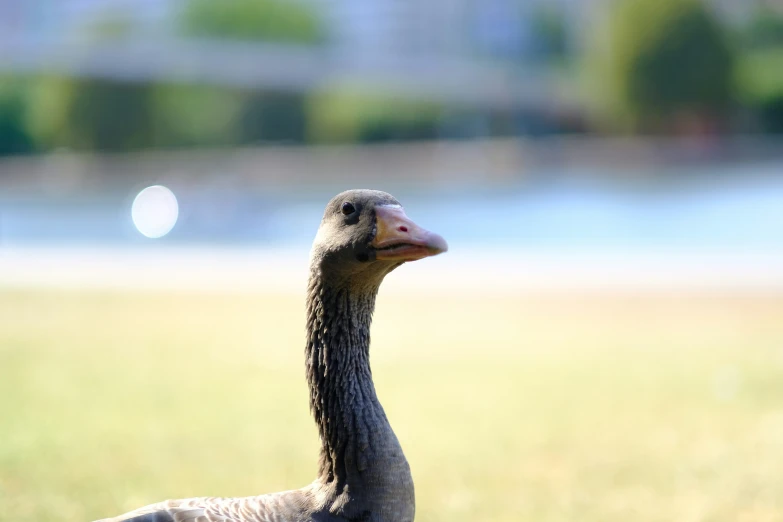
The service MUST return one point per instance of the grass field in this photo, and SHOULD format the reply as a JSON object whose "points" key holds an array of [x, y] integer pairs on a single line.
{"points": [[540, 408]]}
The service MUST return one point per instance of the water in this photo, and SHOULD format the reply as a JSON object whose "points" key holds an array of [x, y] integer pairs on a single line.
{"points": [[734, 207]]}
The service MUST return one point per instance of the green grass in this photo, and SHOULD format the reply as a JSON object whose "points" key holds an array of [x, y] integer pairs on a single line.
{"points": [[542, 408]]}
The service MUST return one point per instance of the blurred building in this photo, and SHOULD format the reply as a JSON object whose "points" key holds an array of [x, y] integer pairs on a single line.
{"points": [[507, 57], [429, 49]]}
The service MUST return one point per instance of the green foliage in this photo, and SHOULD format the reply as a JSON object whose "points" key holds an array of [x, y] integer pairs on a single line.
{"points": [[203, 115], [273, 116], [770, 113], [664, 58], [14, 137], [760, 80], [248, 116], [92, 114], [549, 28], [113, 115], [268, 20], [765, 29], [760, 74], [196, 115], [110, 116], [354, 116]]}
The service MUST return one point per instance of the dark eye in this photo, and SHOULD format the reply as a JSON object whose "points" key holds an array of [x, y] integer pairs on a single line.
{"points": [[348, 208]]}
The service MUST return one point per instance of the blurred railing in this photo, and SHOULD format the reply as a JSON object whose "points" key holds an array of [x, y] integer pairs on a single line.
{"points": [[451, 164]]}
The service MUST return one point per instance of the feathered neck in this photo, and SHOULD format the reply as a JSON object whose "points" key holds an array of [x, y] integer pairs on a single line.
{"points": [[358, 447]]}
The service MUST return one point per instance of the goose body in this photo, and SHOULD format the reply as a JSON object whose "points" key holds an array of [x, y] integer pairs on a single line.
{"points": [[363, 475]]}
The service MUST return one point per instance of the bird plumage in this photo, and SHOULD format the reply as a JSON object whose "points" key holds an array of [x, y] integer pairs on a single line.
{"points": [[363, 475], [274, 507]]}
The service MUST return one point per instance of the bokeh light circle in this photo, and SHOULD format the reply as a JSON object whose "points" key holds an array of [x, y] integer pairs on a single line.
{"points": [[155, 211]]}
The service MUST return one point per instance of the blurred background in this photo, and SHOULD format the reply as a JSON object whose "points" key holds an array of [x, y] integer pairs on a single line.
{"points": [[563, 123], [609, 176]]}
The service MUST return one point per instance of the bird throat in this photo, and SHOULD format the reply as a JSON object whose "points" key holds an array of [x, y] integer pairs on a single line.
{"points": [[359, 450]]}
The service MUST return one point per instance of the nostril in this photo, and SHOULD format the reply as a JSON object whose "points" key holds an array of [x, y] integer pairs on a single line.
{"points": [[403, 228]]}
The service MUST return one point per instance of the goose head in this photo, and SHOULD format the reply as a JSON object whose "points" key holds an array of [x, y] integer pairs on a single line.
{"points": [[365, 234]]}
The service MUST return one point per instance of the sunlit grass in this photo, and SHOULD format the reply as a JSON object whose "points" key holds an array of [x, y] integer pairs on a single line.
{"points": [[539, 408]]}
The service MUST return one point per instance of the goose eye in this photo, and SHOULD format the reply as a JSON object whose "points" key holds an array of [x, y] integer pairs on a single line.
{"points": [[348, 208]]}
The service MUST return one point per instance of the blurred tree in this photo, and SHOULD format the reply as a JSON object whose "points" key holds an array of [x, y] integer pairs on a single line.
{"points": [[765, 29], [113, 115], [550, 33], [249, 116], [273, 116], [98, 114], [760, 72], [348, 116], [196, 115], [92, 114], [664, 62], [14, 138], [267, 20], [205, 115], [760, 84], [770, 113]]}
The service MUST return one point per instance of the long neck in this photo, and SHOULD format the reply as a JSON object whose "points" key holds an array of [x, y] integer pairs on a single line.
{"points": [[357, 441]]}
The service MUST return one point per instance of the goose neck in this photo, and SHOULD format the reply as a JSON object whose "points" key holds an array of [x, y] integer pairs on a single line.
{"points": [[359, 448]]}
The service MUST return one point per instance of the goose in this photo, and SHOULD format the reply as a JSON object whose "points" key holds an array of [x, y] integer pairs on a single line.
{"points": [[363, 475]]}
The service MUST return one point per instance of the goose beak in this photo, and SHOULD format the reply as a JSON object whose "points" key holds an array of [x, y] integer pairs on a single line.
{"points": [[397, 238]]}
